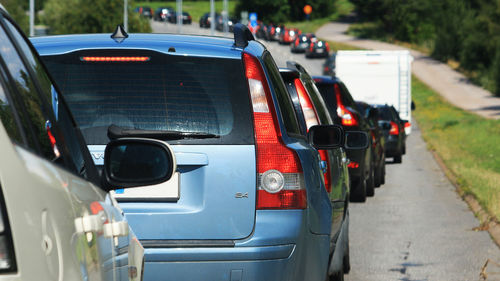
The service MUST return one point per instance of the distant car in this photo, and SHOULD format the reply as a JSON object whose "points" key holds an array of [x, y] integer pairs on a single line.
{"points": [[371, 114], [289, 35], [329, 66], [205, 20], [318, 49], [231, 21], [144, 11], [341, 105], [394, 131], [302, 42], [163, 13], [186, 18]]}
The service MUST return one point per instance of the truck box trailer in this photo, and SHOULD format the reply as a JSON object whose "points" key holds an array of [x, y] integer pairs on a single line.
{"points": [[378, 77]]}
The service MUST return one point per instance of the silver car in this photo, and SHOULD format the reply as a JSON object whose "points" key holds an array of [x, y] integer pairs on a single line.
{"points": [[56, 220]]}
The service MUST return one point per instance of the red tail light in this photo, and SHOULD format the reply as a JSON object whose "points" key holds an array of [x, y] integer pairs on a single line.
{"points": [[305, 103], [311, 47], [353, 165], [348, 118], [326, 69], [407, 124], [280, 178], [394, 129], [327, 47]]}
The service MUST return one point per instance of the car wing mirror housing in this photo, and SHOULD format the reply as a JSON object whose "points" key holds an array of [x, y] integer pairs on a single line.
{"points": [[356, 140], [133, 162], [326, 136]]}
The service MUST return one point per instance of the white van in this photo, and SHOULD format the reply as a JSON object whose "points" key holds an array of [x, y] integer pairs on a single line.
{"points": [[378, 77]]}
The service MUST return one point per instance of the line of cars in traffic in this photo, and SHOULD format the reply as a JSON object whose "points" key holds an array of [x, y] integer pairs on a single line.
{"points": [[225, 166]]}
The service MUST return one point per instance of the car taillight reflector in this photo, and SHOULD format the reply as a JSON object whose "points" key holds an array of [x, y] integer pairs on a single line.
{"points": [[115, 59], [307, 106], [394, 129], [348, 118], [274, 159], [353, 165]]}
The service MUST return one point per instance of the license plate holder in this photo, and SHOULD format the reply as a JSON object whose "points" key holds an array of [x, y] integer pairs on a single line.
{"points": [[167, 191]]}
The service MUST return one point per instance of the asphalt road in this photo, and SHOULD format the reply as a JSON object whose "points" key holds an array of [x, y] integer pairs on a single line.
{"points": [[416, 227]]}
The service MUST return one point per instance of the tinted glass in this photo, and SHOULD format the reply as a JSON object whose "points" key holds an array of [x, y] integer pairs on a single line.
{"points": [[285, 103], [188, 94], [34, 119], [7, 117], [328, 94], [385, 113]]}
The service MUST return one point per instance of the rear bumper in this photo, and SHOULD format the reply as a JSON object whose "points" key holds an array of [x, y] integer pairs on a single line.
{"points": [[275, 251], [392, 146]]}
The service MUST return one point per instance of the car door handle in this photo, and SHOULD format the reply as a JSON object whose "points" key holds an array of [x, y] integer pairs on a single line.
{"points": [[116, 229]]}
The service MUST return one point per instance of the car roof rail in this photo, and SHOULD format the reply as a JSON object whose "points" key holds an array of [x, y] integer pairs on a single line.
{"points": [[242, 35]]}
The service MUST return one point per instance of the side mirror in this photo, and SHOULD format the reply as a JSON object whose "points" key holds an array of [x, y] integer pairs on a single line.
{"points": [[132, 162], [326, 136], [356, 140]]}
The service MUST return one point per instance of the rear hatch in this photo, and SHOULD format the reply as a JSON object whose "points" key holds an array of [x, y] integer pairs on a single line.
{"points": [[203, 106]]}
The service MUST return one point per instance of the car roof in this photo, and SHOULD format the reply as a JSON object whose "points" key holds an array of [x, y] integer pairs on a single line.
{"points": [[192, 45]]}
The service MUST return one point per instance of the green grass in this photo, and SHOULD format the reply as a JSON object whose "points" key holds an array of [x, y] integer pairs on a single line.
{"points": [[195, 8], [467, 143]]}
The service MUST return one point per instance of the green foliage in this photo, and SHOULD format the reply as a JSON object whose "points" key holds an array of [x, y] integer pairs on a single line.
{"points": [[90, 16], [17, 12], [279, 11], [467, 31]]}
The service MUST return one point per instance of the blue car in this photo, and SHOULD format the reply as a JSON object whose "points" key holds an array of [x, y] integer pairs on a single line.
{"points": [[247, 201]]}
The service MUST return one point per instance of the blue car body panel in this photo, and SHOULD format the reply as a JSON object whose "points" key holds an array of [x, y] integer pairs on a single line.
{"points": [[288, 245]]}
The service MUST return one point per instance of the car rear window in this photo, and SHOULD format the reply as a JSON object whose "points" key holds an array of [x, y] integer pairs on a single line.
{"points": [[166, 92], [385, 113]]}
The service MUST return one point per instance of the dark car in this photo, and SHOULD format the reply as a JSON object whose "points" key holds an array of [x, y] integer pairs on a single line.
{"points": [[206, 20], [341, 105], [163, 13], [288, 35], [248, 196], [144, 11], [329, 66], [186, 18], [394, 131], [371, 115], [311, 110], [318, 49], [302, 42], [219, 23]]}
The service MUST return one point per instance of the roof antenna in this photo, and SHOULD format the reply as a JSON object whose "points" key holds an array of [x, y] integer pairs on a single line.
{"points": [[120, 34]]}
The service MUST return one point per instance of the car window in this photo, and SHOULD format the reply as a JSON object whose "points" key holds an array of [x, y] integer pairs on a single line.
{"points": [[285, 103], [7, 116], [169, 93], [44, 126], [33, 120], [346, 96], [328, 93]]}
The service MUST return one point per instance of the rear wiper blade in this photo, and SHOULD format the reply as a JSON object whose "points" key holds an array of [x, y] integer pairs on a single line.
{"points": [[115, 132]]}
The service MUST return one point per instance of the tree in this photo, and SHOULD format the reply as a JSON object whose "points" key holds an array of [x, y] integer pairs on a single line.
{"points": [[90, 16], [17, 12]]}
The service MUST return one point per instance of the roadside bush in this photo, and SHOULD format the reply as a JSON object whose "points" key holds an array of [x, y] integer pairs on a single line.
{"points": [[17, 12], [90, 16]]}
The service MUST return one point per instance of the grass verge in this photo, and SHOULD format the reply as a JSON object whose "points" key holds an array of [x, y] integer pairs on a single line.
{"points": [[195, 8], [467, 144]]}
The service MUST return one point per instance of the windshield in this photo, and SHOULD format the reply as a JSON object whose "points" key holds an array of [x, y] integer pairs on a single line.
{"points": [[170, 93]]}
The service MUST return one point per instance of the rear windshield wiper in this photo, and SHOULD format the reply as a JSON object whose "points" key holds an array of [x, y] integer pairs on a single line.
{"points": [[115, 132]]}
